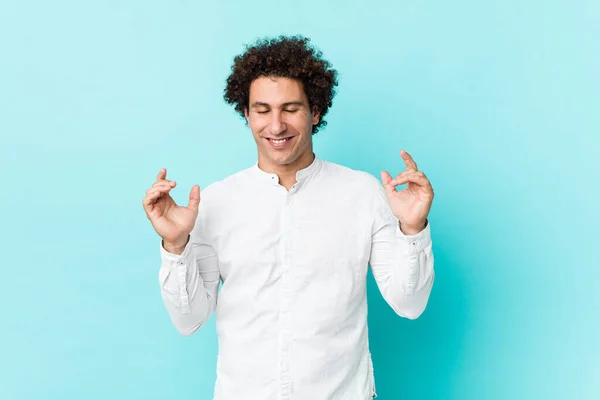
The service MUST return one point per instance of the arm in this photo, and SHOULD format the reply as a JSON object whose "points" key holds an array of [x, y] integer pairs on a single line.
{"points": [[402, 265], [189, 282]]}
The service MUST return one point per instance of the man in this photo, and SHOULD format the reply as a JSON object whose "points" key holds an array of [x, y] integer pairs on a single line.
{"points": [[291, 238]]}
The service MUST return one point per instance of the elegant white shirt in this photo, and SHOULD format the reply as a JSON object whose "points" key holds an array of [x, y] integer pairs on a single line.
{"points": [[291, 315]]}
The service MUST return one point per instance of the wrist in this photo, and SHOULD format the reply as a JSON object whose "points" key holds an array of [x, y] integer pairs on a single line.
{"points": [[176, 247], [410, 230]]}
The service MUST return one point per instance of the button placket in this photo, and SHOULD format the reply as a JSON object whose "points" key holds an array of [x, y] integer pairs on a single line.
{"points": [[285, 303]]}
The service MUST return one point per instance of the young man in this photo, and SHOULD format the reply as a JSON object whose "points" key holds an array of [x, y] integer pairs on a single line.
{"points": [[291, 239]]}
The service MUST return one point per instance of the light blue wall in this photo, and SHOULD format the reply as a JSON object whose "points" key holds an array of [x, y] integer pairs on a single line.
{"points": [[498, 102]]}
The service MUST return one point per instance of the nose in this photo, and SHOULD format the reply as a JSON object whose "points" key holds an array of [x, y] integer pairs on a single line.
{"points": [[276, 124]]}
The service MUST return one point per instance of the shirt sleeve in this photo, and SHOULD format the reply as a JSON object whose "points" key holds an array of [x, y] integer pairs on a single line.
{"points": [[189, 282], [402, 265]]}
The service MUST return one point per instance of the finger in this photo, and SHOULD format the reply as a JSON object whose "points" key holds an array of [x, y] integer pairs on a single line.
{"points": [[164, 182], [420, 180], [162, 174], [162, 186], [386, 179], [404, 173], [194, 198], [159, 191], [150, 199], [408, 160]]}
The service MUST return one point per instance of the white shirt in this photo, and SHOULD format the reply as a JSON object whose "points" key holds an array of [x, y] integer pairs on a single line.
{"points": [[291, 315]]}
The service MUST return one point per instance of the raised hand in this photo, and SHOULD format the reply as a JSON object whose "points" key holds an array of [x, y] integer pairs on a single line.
{"points": [[172, 222], [411, 205]]}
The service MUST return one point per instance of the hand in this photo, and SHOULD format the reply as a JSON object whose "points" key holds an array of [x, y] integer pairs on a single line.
{"points": [[172, 222], [411, 206]]}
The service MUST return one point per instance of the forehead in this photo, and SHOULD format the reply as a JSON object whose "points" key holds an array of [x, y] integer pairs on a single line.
{"points": [[276, 90]]}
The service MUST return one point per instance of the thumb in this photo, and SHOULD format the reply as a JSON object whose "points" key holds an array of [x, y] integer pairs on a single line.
{"points": [[194, 198], [386, 178]]}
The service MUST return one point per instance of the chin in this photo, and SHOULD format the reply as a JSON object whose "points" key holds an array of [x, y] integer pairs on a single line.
{"points": [[282, 160]]}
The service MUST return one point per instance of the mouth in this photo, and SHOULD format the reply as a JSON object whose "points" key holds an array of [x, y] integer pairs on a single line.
{"points": [[280, 143]]}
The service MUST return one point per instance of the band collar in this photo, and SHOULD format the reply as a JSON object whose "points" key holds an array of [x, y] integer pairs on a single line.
{"points": [[301, 175]]}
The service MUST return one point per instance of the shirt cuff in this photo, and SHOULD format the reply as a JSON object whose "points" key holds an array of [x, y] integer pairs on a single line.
{"points": [[415, 243], [170, 260], [177, 264]]}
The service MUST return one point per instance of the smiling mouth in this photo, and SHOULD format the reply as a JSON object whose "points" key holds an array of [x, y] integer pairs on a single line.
{"points": [[279, 141]]}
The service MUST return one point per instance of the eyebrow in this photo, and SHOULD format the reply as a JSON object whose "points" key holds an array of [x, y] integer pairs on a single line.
{"points": [[289, 103]]}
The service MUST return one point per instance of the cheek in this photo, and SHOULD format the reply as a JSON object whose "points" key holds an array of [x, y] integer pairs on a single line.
{"points": [[256, 128], [303, 123]]}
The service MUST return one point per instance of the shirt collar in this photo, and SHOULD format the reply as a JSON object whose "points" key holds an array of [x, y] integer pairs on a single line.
{"points": [[301, 175]]}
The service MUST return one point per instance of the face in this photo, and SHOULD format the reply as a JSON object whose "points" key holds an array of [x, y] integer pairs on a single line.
{"points": [[279, 109]]}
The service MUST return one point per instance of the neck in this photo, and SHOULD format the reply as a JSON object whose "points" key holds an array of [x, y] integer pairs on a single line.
{"points": [[287, 172]]}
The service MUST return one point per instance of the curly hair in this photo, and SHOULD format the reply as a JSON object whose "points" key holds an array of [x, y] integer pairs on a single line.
{"points": [[285, 57]]}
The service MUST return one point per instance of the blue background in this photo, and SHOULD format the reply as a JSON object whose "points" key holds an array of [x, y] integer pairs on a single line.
{"points": [[497, 101]]}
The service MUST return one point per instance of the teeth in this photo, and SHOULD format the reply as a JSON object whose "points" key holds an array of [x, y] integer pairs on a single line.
{"points": [[278, 141]]}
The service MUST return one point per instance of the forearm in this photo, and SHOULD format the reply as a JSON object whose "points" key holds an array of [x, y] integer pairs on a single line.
{"points": [[409, 285], [188, 298], [403, 268], [188, 315]]}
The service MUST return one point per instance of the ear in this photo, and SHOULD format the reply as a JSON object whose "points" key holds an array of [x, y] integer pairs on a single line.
{"points": [[246, 113], [316, 115]]}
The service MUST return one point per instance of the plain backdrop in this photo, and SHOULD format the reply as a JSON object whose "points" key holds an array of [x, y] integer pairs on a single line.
{"points": [[498, 102]]}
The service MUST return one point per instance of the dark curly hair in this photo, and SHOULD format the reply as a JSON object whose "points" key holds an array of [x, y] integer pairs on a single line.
{"points": [[285, 57]]}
